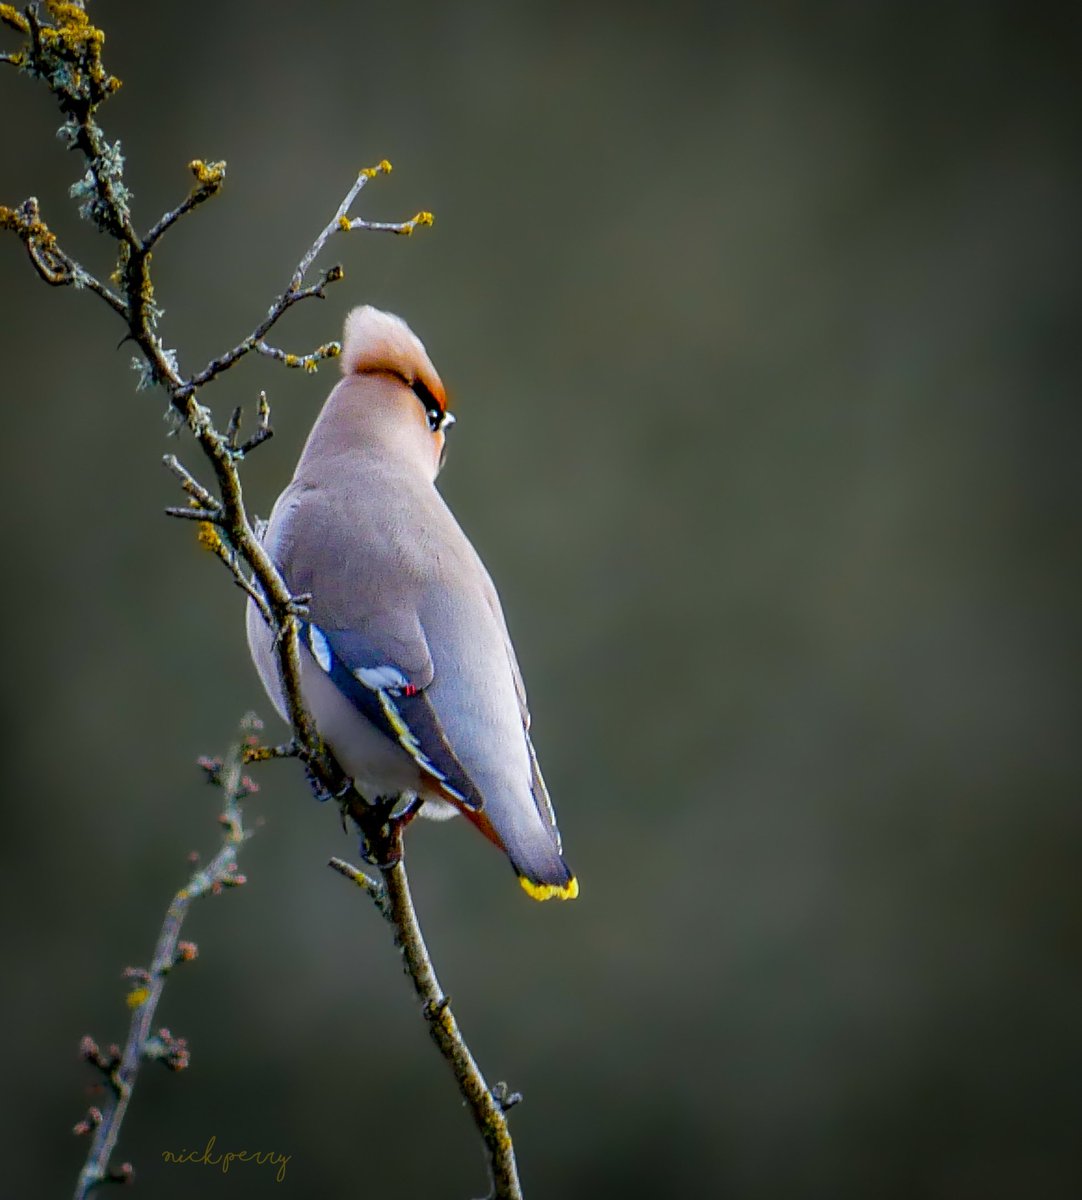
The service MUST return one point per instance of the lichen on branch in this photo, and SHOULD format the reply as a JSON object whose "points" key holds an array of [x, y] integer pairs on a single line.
{"points": [[64, 51]]}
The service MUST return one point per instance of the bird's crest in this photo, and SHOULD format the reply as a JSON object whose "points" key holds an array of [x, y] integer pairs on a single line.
{"points": [[375, 341]]}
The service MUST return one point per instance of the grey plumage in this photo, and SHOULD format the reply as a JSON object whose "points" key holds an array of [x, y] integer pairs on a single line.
{"points": [[414, 683]]}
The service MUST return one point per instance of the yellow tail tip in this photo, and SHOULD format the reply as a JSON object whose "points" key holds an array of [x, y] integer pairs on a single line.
{"points": [[549, 891]]}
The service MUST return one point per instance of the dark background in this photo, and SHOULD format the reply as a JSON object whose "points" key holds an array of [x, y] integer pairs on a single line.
{"points": [[761, 322]]}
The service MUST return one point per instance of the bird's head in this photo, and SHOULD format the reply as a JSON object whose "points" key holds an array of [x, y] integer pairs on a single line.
{"points": [[378, 345]]}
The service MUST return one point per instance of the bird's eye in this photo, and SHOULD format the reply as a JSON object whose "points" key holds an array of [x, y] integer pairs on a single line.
{"points": [[435, 414]]}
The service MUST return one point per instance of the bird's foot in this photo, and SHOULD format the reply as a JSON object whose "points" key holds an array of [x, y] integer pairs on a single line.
{"points": [[382, 828], [321, 793]]}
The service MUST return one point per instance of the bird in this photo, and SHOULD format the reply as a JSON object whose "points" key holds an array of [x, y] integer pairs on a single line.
{"points": [[407, 666]]}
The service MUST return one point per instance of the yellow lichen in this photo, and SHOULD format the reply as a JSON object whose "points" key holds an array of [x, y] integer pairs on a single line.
{"points": [[146, 287], [120, 271], [32, 229], [291, 360], [137, 997], [14, 19], [344, 225], [208, 175], [383, 167], [209, 538], [421, 218], [73, 26], [71, 39]]}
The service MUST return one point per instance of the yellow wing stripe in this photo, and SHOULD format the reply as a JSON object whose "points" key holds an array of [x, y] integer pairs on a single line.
{"points": [[411, 743], [406, 738]]}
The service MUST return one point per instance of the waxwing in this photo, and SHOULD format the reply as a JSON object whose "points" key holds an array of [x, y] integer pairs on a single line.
{"points": [[406, 664]]}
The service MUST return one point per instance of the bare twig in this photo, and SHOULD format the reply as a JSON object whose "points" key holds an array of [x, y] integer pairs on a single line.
{"points": [[190, 484], [335, 223], [192, 514], [295, 291], [147, 984], [278, 309], [53, 265], [487, 1105], [50, 53], [66, 54], [209, 178], [308, 362], [255, 753], [262, 430], [210, 538], [400, 227]]}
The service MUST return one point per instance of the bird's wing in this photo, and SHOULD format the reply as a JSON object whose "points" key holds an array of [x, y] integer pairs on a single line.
{"points": [[363, 629], [365, 668], [538, 789]]}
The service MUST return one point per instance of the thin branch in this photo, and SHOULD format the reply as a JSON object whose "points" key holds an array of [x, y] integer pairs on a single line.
{"points": [[190, 484], [67, 54], [277, 310], [210, 177], [393, 899], [255, 753], [308, 362], [225, 529], [263, 429], [51, 52], [192, 514], [296, 292], [210, 538], [335, 223], [375, 890], [53, 265], [400, 227], [121, 1069]]}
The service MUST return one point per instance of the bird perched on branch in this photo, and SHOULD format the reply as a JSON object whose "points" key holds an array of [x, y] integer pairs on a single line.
{"points": [[407, 667]]}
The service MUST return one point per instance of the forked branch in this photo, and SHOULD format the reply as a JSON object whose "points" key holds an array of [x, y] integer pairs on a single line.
{"points": [[64, 51], [120, 1068]]}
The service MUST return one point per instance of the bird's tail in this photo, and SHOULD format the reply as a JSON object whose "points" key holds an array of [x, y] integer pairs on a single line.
{"points": [[537, 862]]}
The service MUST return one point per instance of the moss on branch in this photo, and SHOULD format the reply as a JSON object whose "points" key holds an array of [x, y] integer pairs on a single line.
{"points": [[64, 51]]}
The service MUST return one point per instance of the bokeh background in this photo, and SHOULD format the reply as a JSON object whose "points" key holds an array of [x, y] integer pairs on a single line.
{"points": [[762, 324]]}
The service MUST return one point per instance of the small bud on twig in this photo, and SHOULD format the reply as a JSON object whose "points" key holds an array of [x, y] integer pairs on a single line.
{"points": [[504, 1097], [125, 1173], [91, 1121], [171, 1051], [186, 952]]}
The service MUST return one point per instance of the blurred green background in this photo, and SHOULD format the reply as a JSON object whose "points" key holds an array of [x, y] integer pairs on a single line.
{"points": [[762, 325]]}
